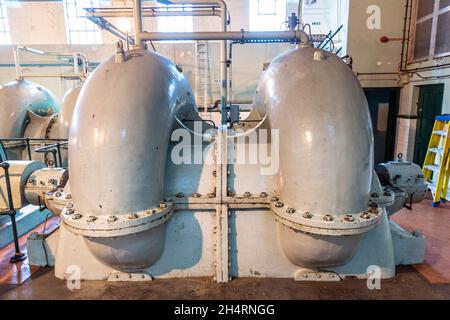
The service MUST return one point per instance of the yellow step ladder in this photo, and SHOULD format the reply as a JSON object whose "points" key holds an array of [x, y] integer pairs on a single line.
{"points": [[436, 168]]}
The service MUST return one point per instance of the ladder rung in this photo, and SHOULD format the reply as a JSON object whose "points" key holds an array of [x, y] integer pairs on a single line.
{"points": [[432, 167], [431, 186], [436, 150], [440, 132]]}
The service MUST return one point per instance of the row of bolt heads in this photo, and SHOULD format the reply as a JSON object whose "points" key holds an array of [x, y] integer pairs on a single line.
{"points": [[213, 195], [50, 181], [328, 218], [111, 219]]}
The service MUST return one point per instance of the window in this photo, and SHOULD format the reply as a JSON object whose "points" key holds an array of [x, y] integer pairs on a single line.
{"points": [[267, 15], [432, 23], [176, 24], [79, 29], [4, 26]]}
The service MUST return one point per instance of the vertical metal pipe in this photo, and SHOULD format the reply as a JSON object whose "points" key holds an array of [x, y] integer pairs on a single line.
{"points": [[17, 63], [137, 9], [223, 50], [58, 149], [224, 62], [18, 256], [55, 159], [28, 148]]}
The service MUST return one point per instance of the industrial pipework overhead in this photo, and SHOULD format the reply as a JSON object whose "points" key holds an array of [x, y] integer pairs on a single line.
{"points": [[133, 211]]}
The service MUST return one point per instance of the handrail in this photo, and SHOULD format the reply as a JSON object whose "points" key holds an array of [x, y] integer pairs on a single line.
{"points": [[55, 148], [78, 60], [11, 212]]}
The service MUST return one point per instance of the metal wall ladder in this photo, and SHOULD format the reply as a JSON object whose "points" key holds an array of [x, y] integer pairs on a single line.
{"points": [[203, 76], [436, 168]]}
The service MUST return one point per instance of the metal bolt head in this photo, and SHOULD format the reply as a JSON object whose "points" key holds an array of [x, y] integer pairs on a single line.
{"points": [[70, 205], [211, 195], [375, 195], [307, 215], [196, 195], [214, 173], [274, 199], [279, 204], [77, 216], [112, 219], [290, 210], [247, 194], [68, 197], [328, 218], [162, 205], [231, 194], [57, 194], [70, 211], [263, 195], [180, 195], [374, 210], [133, 216], [349, 218], [365, 215], [92, 219]]}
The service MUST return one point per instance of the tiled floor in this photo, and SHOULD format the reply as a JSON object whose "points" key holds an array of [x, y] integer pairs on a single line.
{"points": [[434, 223], [432, 283], [19, 272]]}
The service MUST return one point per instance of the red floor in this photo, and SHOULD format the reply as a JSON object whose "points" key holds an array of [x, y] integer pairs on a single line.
{"points": [[434, 223], [21, 271]]}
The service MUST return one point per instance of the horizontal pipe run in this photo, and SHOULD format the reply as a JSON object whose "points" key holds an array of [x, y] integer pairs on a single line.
{"points": [[32, 139], [52, 146], [231, 35], [44, 53], [153, 14], [75, 59], [54, 75]]}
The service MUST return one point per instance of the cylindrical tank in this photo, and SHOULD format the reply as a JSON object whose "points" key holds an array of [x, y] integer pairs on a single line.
{"points": [[16, 98], [326, 151], [60, 129], [117, 147], [65, 114]]}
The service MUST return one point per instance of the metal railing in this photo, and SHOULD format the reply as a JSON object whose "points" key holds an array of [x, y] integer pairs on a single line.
{"points": [[11, 212], [54, 147]]}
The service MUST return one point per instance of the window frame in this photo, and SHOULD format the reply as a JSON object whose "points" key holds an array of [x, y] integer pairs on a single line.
{"points": [[413, 28], [4, 25], [95, 31], [252, 16], [174, 19]]}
